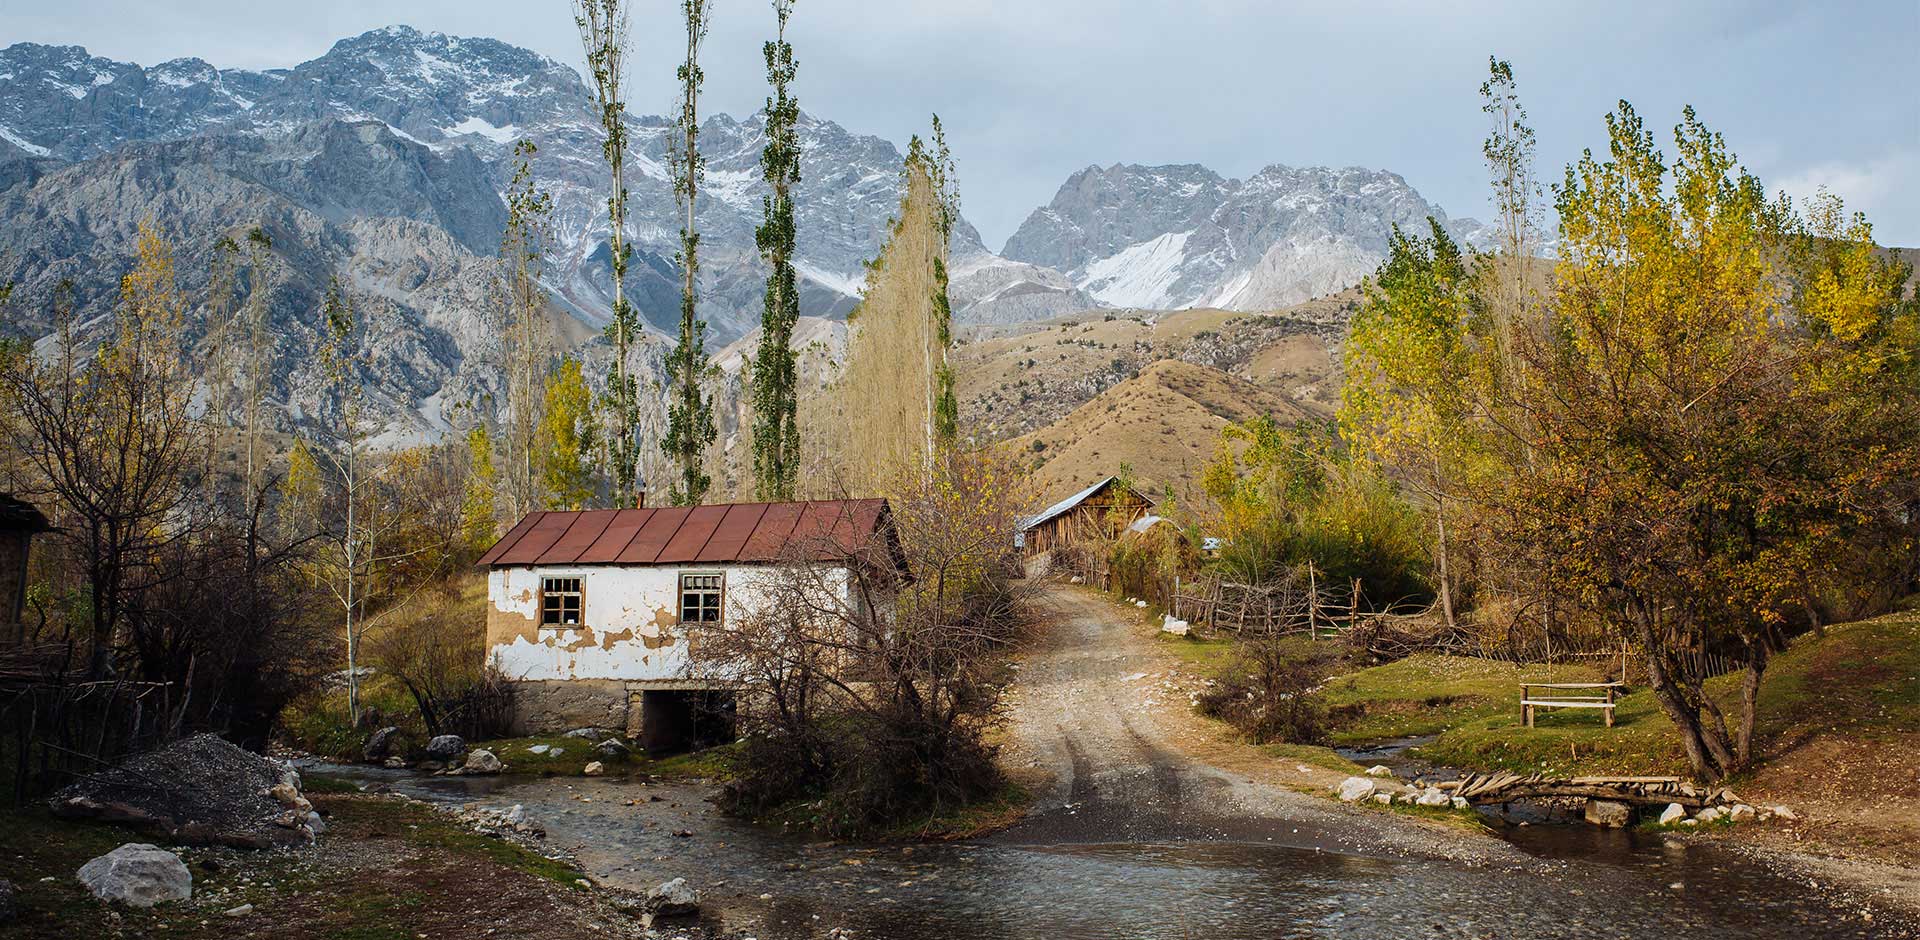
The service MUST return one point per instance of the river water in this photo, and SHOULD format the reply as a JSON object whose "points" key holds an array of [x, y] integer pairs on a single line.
{"points": [[1079, 872]]}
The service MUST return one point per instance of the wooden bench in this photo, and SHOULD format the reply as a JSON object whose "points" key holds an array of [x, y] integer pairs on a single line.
{"points": [[1598, 695]]}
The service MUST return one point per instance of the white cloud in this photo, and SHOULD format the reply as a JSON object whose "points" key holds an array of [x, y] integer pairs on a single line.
{"points": [[1882, 187]]}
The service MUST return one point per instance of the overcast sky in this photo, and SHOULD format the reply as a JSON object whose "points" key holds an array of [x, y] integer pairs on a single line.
{"points": [[1032, 90]]}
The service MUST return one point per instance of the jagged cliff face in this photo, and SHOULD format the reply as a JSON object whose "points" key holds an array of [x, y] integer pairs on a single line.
{"points": [[384, 159], [1183, 236]]}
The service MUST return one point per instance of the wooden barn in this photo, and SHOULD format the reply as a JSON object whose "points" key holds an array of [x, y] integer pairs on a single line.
{"points": [[1099, 512]]}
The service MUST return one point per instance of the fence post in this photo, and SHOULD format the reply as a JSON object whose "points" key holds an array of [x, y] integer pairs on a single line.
{"points": [[1313, 603]]}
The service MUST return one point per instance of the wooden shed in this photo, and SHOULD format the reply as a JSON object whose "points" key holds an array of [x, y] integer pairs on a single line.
{"points": [[1099, 512]]}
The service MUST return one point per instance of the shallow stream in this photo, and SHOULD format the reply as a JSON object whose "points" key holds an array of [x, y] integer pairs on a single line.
{"points": [[1190, 876]]}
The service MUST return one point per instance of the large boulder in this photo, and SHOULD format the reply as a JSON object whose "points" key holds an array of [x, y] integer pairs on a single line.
{"points": [[1355, 789], [1609, 813], [380, 744], [446, 748], [481, 761], [675, 898], [138, 875], [198, 791], [1672, 814]]}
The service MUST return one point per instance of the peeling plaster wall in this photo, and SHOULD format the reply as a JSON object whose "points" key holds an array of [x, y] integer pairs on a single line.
{"points": [[630, 620]]}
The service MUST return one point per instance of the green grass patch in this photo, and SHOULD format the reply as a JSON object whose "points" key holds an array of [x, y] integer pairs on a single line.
{"points": [[1196, 651], [1004, 808], [1428, 693], [1312, 756], [1862, 681], [576, 753]]}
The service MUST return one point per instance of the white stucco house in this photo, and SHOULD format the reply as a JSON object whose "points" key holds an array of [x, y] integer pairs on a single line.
{"points": [[587, 611]]}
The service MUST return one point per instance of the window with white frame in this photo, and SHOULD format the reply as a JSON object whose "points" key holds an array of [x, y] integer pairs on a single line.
{"points": [[559, 601], [700, 596]]}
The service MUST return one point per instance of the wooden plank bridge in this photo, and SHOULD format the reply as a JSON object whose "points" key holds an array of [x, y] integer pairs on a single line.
{"points": [[1507, 787]]}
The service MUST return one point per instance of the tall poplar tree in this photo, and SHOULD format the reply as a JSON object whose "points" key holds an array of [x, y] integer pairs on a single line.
{"points": [[945, 407], [524, 349], [690, 427], [603, 34], [776, 431]]}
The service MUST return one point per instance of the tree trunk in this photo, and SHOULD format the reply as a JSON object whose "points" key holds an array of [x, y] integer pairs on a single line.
{"points": [[1684, 715], [1749, 704]]}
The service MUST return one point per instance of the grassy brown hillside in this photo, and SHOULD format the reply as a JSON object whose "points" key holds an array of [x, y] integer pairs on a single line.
{"points": [[1014, 381], [1163, 423]]}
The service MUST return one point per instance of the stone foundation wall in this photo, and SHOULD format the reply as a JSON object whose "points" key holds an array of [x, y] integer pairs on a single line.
{"points": [[557, 706]]}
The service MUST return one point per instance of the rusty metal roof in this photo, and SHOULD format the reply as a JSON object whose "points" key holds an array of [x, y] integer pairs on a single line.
{"points": [[816, 530]]}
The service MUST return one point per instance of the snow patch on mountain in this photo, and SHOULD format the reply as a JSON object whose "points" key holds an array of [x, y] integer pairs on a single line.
{"points": [[7, 134], [485, 128], [1140, 275]]}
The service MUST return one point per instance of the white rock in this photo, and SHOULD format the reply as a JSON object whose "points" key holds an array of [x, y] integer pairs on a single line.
{"points": [[241, 911], [1384, 799], [1379, 770], [1741, 812], [1710, 814], [315, 823], [1431, 796], [673, 898], [481, 761], [1354, 789], [1169, 624], [1783, 813], [1136, 677], [138, 875], [1460, 802], [1689, 822], [1139, 603], [1672, 814], [539, 749], [516, 815], [594, 769]]}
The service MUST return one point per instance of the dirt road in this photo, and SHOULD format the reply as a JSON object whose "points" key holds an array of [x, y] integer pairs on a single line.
{"points": [[1104, 732]]}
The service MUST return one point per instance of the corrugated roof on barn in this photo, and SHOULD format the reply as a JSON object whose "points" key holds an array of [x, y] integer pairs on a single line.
{"points": [[814, 530]]}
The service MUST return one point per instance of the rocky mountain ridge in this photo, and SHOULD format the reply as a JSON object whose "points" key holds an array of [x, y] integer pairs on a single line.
{"points": [[383, 161]]}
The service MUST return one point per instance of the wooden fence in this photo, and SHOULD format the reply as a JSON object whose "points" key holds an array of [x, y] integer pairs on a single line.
{"points": [[1302, 601]]}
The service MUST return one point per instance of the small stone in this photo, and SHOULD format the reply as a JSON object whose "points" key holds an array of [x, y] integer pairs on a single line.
{"points": [[396, 762], [675, 898], [1460, 802], [315, 823], [138, 875], [1741, 812], [1355, 789], [481, 761], [539, 749], [1710, 814], [594, 769], [612, 748], [446, 747], [1672, 814], [583, 734], [516, 815], [1384, 799], [1432, 797], [241, 911], [1781, 812], [1379, 770]]}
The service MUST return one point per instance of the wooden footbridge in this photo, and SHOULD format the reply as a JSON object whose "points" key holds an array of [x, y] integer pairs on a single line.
{"points": [[1507, 787]]}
